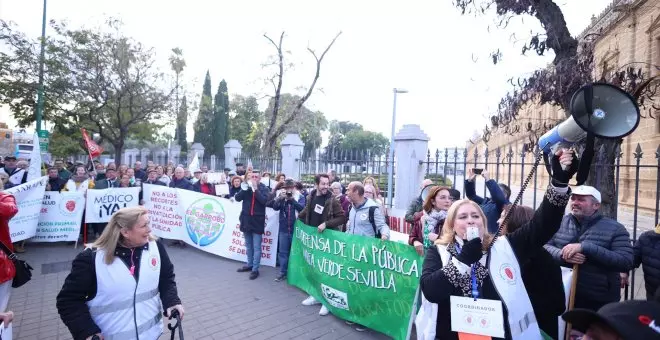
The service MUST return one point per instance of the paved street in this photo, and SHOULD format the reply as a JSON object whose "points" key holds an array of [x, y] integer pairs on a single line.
{"points": [[220, 303]]}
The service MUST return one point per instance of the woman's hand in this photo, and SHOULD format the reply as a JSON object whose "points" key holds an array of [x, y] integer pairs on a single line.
{"points": [[7, 318], [471, 251], [433, 237], [564, 165], [419, 247], [471, 175], [179, 308]]}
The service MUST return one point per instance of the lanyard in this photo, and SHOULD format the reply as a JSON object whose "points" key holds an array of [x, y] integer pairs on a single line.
{"points": [[473, 275]]}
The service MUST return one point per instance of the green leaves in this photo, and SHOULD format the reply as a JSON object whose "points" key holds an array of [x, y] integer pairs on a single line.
{"points": [[97, 79]]}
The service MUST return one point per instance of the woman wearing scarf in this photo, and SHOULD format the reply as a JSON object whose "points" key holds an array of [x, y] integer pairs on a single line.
{"points": [[425, 230], [469, 270], [79, 182]]}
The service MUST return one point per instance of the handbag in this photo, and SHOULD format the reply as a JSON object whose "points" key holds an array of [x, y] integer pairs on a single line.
{"points": [[23, 269]]}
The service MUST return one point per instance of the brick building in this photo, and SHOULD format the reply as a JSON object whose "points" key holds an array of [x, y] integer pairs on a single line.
{"points": [[628, 35]]}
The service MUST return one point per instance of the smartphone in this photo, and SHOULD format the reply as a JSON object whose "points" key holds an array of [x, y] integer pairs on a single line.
{"points": [[477, 171]]}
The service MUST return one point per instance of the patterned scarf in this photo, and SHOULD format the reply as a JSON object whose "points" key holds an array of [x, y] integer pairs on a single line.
{"points": [[429, 221], [463, 281]]}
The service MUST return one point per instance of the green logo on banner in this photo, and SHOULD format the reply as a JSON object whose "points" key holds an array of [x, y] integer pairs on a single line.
{"points": [[361, 279]]}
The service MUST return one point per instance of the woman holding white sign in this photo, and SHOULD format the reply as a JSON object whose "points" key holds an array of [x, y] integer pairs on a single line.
{"points": [[475, 279], [117, 284]]}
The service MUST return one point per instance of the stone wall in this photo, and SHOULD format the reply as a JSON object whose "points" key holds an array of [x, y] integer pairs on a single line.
{"points": [[630, 33]]}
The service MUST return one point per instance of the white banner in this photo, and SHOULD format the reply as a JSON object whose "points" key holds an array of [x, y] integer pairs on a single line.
{"points": [[28, 199], [61, 215], [206, 222], [102, 203]]}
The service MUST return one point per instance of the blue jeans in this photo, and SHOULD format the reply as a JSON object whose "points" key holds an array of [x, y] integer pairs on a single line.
{"points": [[285, 239], [253, 248]]}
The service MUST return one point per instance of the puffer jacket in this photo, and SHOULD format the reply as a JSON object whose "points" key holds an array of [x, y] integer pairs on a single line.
{"points": [[8, 209], [606, 244], [647, 253], [359, 224]]}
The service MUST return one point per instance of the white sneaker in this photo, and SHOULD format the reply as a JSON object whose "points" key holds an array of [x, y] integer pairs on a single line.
{"points": [[310, 301], [324, 311]]}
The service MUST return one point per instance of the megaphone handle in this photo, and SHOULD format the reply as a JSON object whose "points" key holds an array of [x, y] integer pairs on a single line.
{"points": [[553, 151]]}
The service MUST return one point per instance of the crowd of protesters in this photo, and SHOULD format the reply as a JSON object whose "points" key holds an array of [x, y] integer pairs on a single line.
{"points": [[456, 237]]}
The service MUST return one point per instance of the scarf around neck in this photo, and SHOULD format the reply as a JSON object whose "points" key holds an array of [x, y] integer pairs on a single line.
{"points": [[429, 221]]}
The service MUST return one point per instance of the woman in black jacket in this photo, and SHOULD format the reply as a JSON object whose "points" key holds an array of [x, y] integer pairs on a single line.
{"points": [[488, 269], [541, 275], [118, 283]]}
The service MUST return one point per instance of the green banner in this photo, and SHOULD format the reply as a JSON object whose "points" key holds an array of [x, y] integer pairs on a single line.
{"points": [[361, 279]]}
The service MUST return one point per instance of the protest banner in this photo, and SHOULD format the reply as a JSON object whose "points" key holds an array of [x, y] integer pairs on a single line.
{"points": [[28, 199], [365, 280], [206, 222], [61, 215], [102, 203]]}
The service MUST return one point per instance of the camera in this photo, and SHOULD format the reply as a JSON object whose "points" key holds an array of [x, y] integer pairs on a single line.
{"points": [[289, 194], [477, 171]]}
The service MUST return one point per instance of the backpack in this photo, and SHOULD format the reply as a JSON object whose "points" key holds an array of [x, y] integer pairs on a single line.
{"points": [[372, 219]]}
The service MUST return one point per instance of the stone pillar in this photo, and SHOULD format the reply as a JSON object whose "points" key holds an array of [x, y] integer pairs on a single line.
{"points": [[212, 165], [232, 150], [143, 156], [173, 152], [292, 149], [196, 148], [411, 146]]}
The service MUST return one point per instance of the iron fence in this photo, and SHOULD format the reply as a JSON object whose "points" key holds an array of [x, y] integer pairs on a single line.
{"points": [[632, 177]]}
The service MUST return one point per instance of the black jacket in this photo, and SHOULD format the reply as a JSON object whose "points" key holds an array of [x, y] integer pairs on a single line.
{"points": [[606, 245], [525, 241], [80, 287], [253, 212], [647, 253], [545, 287]]}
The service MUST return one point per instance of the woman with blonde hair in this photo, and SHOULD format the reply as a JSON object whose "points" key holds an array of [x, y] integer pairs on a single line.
{"points": [[469, 269], [117, 284]]}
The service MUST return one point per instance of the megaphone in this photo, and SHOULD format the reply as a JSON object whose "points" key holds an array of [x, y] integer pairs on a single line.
{"points": [[425, 192], [603, 110]]}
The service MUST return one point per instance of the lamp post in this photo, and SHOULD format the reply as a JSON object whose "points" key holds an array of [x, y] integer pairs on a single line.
{"points": [[40, 91], [390, 167]]}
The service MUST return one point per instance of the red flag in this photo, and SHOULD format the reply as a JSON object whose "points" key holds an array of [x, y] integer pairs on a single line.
{"points": [[94, 149]]}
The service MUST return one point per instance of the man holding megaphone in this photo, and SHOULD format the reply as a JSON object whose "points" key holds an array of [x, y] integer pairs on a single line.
{"points": [[254, 196]]}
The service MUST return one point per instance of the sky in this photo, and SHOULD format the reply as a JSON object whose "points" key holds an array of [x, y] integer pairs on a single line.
{"points": [[424, 46]]}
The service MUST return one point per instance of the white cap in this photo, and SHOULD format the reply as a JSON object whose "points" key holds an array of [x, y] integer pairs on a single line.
{"points": [[585, 190]]}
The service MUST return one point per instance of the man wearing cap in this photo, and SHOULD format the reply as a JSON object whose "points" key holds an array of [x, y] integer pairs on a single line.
{"points": [[628, 320], [14, 172], [599, 245]]}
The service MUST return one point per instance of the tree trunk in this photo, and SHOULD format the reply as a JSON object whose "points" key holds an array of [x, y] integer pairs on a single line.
{"points": [[119, 147], [602, 174]]}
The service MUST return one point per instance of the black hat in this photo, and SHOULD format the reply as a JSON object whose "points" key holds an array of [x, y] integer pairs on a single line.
{"points": [[455, 194], [10, 157], [289, 183], [631, 319]]}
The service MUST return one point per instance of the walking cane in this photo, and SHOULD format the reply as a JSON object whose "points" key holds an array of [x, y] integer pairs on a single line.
{"points": [[177, 324], [571, 298]]}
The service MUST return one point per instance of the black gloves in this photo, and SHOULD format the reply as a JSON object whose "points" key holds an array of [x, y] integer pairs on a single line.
{"points": [[471, 251], [560, 177]]}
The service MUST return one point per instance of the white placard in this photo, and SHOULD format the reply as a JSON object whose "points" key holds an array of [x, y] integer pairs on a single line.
{"points": [[481, 317]]}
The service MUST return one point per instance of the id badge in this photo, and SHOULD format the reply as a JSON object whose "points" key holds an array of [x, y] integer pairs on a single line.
{"points": [[318, 209], [481, 317]]}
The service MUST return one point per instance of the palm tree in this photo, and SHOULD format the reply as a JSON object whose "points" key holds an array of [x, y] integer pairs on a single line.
{"points": [[177, 63]]}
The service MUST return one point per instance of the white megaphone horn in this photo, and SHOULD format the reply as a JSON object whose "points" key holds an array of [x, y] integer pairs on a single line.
{"points": [[603, 110]]}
